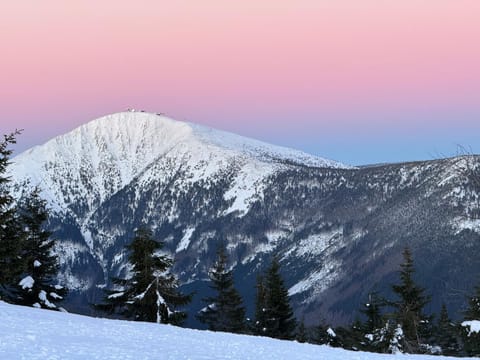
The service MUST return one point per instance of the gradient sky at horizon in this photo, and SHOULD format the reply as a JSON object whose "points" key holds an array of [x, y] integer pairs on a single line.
{"points": [[359, 81]]}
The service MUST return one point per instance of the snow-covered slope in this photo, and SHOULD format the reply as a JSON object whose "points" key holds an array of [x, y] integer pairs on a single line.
{"points": [[28, 333], [79, 170]]}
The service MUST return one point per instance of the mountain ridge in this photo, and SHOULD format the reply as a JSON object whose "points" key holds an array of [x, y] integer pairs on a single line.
{"points": [[132, 141]]}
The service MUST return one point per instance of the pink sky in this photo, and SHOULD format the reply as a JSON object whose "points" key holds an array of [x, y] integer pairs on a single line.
{"points": [[383, 80]]}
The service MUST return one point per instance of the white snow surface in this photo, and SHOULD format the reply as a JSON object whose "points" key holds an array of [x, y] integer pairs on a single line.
{"points": [[473, 326], [27, 282], [183, 245], [331, 332], [42, 296], [256, 148], [29, 333], [115, 295]]}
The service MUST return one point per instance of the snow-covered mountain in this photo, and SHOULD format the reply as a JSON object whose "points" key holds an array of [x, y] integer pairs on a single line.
{"points": [[29, 333], [338, 230], [106, 154]]}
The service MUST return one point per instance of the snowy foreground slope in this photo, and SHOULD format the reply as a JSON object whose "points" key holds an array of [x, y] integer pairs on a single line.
{"points": [[28, 333]]}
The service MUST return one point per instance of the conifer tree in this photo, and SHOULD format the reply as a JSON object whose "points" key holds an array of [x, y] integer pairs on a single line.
{"points": [[473, 311], [353, 337], [224, 311], [373, 329], [346, 337], [324, 334], [301, 336], [396, 338], [471, 339], [446, 334], [260, 323], [408, 309], [373, 312], [333, 339], [279, 320], [37, 287], [151, 293], [11, 236], [320, 334]]}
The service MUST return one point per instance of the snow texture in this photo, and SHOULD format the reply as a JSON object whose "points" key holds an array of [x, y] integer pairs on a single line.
{"points": [[331, 332], [54, 295], [116, 295], [28, 333], [42, 296], [472, 325], [27, 282], [183, 245]]}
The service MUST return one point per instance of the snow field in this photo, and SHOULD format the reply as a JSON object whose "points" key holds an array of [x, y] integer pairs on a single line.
{"points": [[28, 333]]}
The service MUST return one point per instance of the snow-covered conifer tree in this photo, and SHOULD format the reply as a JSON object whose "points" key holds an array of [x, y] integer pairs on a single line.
{"points": [[279, 320], [470, 328], [38, 286], [224, 311], [11, 236], [446, 334], [409, 308], [151, 292]]}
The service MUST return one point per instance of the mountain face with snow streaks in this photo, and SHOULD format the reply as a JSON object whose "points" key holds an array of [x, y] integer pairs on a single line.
{"points": [[337, 230]]}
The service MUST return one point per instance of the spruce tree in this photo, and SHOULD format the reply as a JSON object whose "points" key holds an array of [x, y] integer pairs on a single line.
{"points": [[301, 336], [373, 312], [446, 334], [320, 333], [396, 338], [346, 337], [259, 324], [11, 236], [151, 293], [408, 309], [353, 337], [471, 339], [279, 320], [224, 311], [38, 286], [373, 329], [473, 310], [324, 334]]}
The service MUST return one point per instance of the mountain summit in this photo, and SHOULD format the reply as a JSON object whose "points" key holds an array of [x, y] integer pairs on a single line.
{"points": [[111, 151]]}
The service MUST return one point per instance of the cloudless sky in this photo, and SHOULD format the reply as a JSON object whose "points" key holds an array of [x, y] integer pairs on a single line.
{"points": [[359, 81]]}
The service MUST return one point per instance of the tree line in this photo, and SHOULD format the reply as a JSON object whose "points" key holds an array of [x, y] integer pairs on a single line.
{"points": [[150, 292]]}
